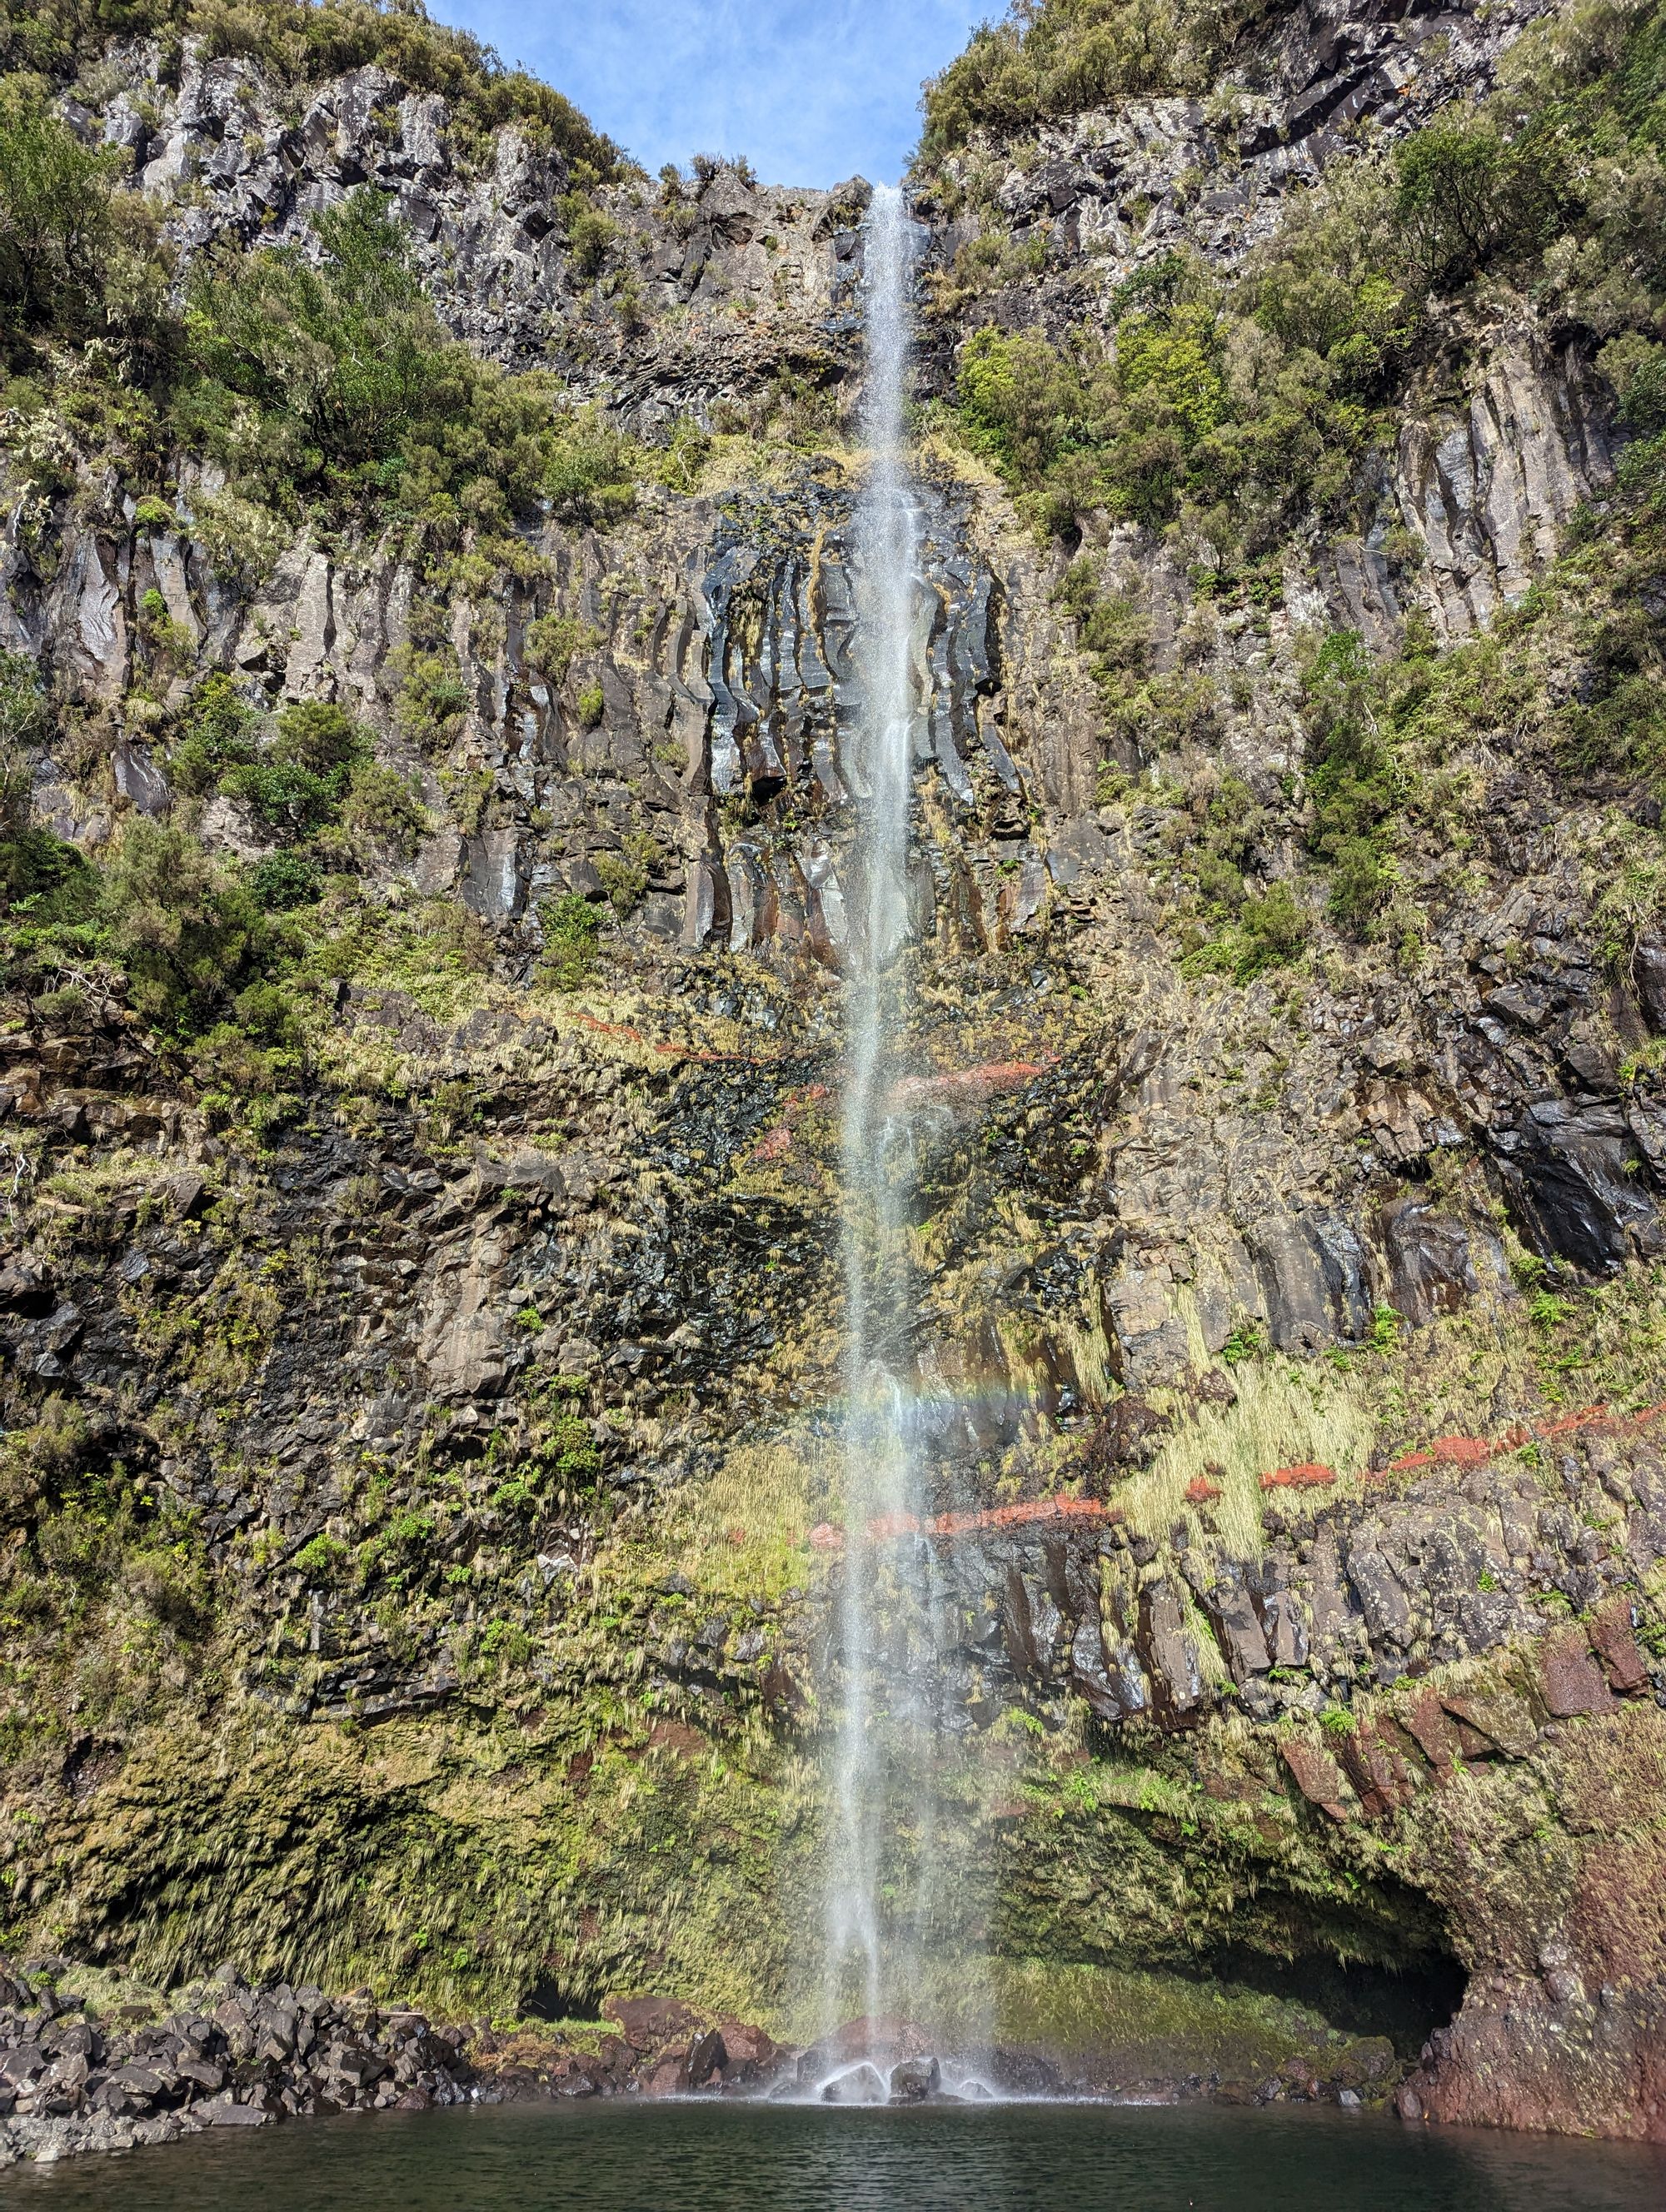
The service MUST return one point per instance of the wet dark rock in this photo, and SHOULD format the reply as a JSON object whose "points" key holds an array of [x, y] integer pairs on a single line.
{"points": [[1128, 1437], [915, 2079], [860, 2084]]}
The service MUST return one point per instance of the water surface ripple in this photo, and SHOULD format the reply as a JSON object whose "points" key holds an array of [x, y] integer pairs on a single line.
{"points": [[631, 2157]]}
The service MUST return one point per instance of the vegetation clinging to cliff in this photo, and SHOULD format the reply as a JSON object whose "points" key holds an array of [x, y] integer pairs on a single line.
{"points": [[1054, 58], [1236, 403], [306, 42]]}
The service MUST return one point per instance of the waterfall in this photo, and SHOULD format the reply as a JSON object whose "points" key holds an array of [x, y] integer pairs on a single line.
{"points": [[881, 1773]]}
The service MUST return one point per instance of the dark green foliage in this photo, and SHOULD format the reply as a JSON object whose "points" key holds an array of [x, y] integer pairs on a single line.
{"points": [[587, 474], [1273, 930], [572, 927], [1051, 58], [433, 697], [1352, 779], [1229, 930], [383, 812], [1161, 423], [78, 259], [285, 880], [34, 865], [303, 41], [186, 937], [57, 230], [297, 785], [337, 381], [1116, 634], [590, 231], [218, 736], [1465, 193]]}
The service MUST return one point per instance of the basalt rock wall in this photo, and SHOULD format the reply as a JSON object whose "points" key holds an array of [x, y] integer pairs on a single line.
{"points": [[432, 1494]]}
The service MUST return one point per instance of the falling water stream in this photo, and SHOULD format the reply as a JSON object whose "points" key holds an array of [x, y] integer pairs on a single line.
{"points": [[880, 1901]]}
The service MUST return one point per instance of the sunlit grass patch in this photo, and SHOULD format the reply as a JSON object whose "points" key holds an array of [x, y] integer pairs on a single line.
{"points": [[1284, 1415], [748, 1518]]}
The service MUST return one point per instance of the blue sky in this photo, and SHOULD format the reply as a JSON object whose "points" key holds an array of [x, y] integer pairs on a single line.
{"points": [[811, 91]]}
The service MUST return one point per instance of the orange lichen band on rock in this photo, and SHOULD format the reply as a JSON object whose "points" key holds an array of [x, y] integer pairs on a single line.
{"points": [[1473, 1451], [1025, 1513], [972, 1082], [1310, 1475], [1449, 1451], [1587, 1418], [887, 1527]]}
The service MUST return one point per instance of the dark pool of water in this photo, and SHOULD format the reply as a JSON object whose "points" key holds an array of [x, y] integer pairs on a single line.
{"points": [[702, 2158]]}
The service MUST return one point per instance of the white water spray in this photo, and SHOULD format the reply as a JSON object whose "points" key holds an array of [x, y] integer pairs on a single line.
{"points": [[882, 1784]]}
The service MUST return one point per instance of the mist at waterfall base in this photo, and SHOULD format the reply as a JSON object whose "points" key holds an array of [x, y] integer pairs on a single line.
{"points": [[624, 2156]]}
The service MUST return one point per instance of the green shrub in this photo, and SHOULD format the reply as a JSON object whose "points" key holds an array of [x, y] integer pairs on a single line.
{"points": [[319, 736], [591, 706], [1052, 57], [57, 228], [1273, 930], [333, 382], [384, 812], [624, 879], [572, 927], [1352, 779], [432, 699], [25, 719], [553, 641], [325, 1558], [590, 232], [589, 474], [187, 937], [1465, 193], [219, 735], [285, 880], [284, 796]]}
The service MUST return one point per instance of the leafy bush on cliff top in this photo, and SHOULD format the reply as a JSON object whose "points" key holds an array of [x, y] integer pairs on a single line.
{"points": [[320, 379], [1237, 402], [78, 259], [307, 41], [1054, 58], [334, 380]]}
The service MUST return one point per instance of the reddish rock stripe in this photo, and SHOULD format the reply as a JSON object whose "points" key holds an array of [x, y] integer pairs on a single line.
{"points": [[1310, 1475], [973, 1082], [825, 1537]]}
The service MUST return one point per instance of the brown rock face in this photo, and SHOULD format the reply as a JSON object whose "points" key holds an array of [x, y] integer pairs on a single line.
{"points": [[1610, 1631], [1317, 1775], [1563, 2027], [1573, 1682]]}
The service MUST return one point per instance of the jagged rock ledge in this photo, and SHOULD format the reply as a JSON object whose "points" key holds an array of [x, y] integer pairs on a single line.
{"points": [[74, 2081]]}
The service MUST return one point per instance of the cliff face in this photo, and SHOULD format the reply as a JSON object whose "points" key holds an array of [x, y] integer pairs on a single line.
{"points": [[417, 1474]]}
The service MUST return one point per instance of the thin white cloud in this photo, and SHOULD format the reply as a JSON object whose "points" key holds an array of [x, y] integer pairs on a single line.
{"points": [[810, 94]]}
